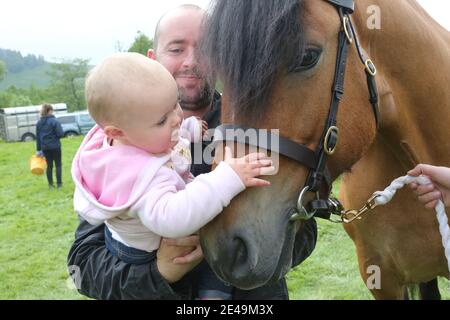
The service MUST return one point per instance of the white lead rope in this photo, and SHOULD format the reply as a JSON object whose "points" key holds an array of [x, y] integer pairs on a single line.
{"points": [[383, 197]]}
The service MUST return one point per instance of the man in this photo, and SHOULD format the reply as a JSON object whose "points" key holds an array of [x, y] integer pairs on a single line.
{"points": [[97, 273]]}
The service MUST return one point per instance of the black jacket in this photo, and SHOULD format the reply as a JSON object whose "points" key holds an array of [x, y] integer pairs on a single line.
{"points": [[48, 133], [100, 275]]}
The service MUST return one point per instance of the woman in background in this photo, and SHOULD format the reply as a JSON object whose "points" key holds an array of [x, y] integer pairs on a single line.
{"points": [[48, 134]]}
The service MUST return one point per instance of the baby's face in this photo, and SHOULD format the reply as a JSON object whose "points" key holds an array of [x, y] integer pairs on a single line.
{"points": [[155, 119]]}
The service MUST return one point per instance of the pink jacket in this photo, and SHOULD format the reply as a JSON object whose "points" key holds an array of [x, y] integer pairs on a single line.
{"points": [[140, 198]]}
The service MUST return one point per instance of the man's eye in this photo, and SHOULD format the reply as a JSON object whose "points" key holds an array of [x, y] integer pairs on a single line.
{"points": [[175, 50]]}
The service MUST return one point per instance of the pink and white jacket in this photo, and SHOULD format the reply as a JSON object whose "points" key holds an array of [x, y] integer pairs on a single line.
{"points": [[143, 197]]}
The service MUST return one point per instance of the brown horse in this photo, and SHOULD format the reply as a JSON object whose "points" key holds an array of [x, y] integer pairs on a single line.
{"points": [[277, 61]]}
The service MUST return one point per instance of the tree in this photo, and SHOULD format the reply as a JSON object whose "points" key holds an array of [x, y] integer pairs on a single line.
{"points": [[13, 60], [14, 97], [141, 44], [68, 83], [2, 70]]}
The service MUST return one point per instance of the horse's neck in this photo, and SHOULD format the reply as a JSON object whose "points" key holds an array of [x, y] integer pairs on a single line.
{"points": [[412, 53]]}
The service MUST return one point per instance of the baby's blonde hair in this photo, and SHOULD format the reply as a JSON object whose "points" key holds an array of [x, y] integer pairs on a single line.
{"points": [[112, 85]]}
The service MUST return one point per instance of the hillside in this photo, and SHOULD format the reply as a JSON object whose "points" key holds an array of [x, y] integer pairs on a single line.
{"points": [[22, 71], [24, 79]]}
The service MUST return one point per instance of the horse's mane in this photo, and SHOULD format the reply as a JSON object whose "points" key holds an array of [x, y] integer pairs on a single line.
{"points": [[248, 42]]}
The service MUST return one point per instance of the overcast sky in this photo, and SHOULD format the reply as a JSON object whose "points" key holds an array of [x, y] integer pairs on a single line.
{"points": [[91, 29]]}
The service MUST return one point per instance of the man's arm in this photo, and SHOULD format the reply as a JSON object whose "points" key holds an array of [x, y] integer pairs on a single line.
{"points": [[104, 276]]}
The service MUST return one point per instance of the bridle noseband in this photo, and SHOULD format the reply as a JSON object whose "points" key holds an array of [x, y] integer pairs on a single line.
{"points": [[322, 207]]}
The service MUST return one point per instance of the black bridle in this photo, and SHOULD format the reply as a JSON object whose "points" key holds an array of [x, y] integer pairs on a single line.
{"points": [[316, 161]]}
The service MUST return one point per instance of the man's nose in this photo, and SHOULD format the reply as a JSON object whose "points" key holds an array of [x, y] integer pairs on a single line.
{"points": [[190, 59]]}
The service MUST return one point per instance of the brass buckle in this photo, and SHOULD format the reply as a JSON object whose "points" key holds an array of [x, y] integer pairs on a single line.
{"points": [[329, 151], [346, 24], [349, 216], [370, 67]]}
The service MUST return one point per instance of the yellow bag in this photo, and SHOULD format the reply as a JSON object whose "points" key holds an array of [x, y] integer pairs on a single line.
{"points": [[37, 165]]}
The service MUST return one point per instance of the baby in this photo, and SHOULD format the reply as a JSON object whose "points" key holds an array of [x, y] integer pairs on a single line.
{"points": [[132, 170]]}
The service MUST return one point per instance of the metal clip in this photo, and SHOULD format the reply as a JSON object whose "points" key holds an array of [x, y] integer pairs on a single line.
{"points": [[328, 150], [302, 213], [336, 209], [370, 67], [349, 216], [346, 24]]}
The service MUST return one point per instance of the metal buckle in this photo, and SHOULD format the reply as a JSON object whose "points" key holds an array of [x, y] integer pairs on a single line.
{"points": [[370, 67], [346, 24], [330, 151], [302, 213], [337, 210], [349, 216]]}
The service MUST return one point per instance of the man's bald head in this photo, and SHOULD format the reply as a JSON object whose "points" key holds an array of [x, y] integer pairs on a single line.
{"points": [[176, 47], [172, 13]]}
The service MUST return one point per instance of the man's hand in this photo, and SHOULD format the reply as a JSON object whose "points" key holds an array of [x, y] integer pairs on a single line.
{"points": [[176, 257]]}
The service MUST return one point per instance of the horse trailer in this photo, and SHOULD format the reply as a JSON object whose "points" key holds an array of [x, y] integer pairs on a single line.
{"points": [[19, 123]]}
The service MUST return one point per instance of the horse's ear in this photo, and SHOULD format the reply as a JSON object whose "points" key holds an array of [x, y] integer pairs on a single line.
{"points": [[151, 54]]}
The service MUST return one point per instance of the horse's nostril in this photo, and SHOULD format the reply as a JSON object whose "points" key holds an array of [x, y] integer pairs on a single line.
{"points": [[241, 252], [245, 258]]}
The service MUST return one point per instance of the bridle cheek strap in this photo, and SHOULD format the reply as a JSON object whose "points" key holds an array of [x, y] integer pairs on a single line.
{"points": [[319, 179]]}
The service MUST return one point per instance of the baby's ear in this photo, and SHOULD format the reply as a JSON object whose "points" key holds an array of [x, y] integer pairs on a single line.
{"points": [[113, 132]]}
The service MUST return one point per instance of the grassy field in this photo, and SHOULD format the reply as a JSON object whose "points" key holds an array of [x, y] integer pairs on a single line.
{"points": [[37, 227]]}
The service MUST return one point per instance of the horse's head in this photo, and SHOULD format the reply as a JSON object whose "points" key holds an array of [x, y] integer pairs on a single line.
{"points": [[277, 62]]}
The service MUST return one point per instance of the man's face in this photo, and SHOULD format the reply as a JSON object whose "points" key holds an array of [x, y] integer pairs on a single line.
{"points": [[177, 43]]}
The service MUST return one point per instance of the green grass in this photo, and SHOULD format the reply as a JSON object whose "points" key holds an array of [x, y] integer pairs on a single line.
{"points": [[37, 227], [331, 272], [37, 76]]}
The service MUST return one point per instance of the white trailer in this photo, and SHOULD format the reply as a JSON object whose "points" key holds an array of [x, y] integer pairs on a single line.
{"points": [[19, 123]]}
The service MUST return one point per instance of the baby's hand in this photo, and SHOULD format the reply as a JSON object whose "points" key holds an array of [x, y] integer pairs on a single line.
{"points": [[250, 167]]}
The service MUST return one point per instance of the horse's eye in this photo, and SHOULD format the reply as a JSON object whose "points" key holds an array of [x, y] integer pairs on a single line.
{"points": [[309, 60]]}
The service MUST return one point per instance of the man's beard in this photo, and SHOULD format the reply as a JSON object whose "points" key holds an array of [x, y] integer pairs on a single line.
{"points": [[199, 101]]}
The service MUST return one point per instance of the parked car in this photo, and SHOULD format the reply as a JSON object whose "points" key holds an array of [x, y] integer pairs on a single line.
{"points": [[76, 123], [19, 123]]}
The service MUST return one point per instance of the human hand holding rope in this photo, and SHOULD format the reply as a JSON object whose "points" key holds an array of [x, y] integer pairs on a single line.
{"points": [[438, 189]]}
